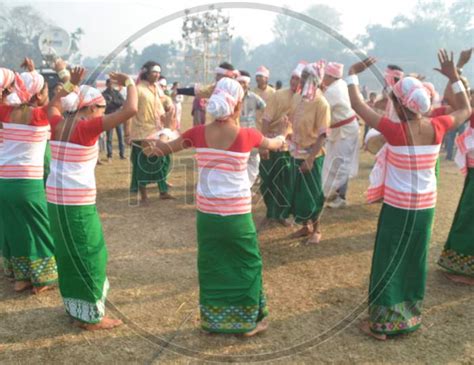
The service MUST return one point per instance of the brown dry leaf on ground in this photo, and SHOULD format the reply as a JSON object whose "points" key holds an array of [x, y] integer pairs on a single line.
{"points": [[312, 291]]}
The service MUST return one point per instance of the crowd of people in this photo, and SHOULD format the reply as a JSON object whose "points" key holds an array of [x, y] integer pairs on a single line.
{"points": [[301, 142]]}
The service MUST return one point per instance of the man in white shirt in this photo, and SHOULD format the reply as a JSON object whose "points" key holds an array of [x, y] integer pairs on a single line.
{"points": [[342, 145]]}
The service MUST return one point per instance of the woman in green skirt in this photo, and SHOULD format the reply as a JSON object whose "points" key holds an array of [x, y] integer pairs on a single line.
{"points": [[404, 177], [28, 248], [71, 192], [458, 253], [230, 266]]}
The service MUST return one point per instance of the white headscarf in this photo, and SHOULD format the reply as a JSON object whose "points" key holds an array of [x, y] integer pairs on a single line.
{"points": [[28, 84], [412, 94], [70, 103], [89, 96], [227, 94]]}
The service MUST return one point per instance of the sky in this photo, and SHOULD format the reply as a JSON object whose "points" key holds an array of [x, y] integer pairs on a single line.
{"points": [[107, 23]]}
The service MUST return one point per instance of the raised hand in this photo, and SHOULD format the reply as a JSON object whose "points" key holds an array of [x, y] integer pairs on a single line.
{"points": [[59, 65], [464, 57], [119, 78], [28, 64], [359, 67], [447, 67], [77, 75]]}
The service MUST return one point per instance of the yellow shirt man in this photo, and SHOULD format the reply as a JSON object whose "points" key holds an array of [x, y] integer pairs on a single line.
{"points": [[309, 120], [265, 94], [278, 106], [150, 110]]}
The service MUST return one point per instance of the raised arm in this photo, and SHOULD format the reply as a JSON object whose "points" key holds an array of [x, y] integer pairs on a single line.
{"points": [[130, 105], [370, 116], [60, 68], [462, 108]]}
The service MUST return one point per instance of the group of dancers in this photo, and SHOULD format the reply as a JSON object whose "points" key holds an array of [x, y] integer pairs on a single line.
{"points": [[303, 143]]}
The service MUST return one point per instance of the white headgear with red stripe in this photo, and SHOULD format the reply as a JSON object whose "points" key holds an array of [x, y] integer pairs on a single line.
{"points": [[225, 72], [227, 94], [263, 71], [334, 69], [6, 77], [89, 96], [28, 84], [316, 74], [411, 93]]}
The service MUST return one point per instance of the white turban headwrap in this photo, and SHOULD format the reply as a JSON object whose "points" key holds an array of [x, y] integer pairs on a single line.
{"points": [[70, 103], [228, 73], [28, 84], [6, 77], [412, 94], [227, 94], [89, 96]]}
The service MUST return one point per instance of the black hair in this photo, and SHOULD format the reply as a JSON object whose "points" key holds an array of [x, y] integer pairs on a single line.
{"points": [[244, 73], [279, 83], [372, 93], [146, 69], [108, 81], [227, 66], [394, 68]]}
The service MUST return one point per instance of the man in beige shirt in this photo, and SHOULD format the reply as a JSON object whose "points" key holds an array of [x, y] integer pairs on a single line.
{"points": [[263, 90], [310, 117], [275, 166], [143, 126]]}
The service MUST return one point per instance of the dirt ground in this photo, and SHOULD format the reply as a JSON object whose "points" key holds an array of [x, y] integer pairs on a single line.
{"points": [[316, 294]]}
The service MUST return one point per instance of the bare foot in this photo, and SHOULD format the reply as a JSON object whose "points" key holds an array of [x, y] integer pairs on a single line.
{"points": [[264, 223], [144, 202], [166, 196], [106, 324], [314, 239], [170, 185], [285, 222], [41, 289], [364, 326], [305, 231], [262, 326], [20, 286], [460, 279]]}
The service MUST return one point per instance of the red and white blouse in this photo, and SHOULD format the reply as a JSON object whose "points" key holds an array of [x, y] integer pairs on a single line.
{"points": [[223, 187], [404, 176], [22, 146], [72, 179]]}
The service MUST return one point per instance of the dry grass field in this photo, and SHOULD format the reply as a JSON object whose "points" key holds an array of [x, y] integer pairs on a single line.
{"points": [[316, 294]]}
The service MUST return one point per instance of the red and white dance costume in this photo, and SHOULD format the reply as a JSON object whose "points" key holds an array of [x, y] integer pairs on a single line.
{"points": [[404, 176], [224, 185]]}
